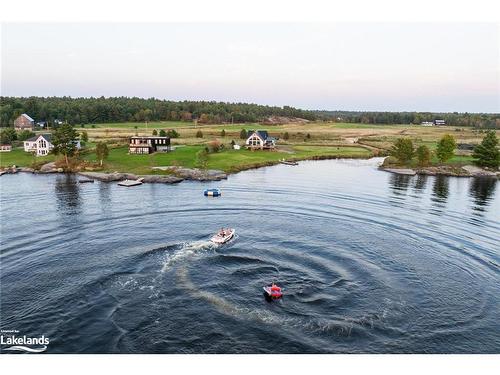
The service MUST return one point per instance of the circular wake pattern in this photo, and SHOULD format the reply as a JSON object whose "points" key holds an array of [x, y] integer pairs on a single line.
{"points": [[369, 263]]}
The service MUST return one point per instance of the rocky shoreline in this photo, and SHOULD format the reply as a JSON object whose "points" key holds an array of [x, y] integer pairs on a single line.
{"points": [[452, 171], [175, 174]]}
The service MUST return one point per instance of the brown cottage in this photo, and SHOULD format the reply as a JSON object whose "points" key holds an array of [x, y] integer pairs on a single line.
{"points": [[148, 145], [24, 122]]}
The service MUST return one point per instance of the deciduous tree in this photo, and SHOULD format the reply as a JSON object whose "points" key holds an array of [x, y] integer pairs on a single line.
{"points": [[64, 140], [446, 148]]}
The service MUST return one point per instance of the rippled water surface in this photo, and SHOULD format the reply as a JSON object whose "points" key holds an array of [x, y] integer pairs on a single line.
{"points": [[369, 261]]}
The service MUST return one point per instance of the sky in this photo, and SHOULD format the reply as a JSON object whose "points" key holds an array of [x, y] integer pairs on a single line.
{"points": [[438, 67]]}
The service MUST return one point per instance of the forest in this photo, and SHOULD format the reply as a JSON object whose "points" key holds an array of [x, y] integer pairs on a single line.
{"points": [[124, 109]]}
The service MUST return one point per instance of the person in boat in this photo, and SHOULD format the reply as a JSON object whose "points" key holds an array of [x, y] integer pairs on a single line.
{"points": [[222, 233]]}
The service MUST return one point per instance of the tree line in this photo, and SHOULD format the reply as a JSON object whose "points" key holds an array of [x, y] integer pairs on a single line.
{"points": [[100, 110], [123, 109], [478, 120]]}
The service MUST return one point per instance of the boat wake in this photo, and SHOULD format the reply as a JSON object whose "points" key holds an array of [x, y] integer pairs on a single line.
{"points": [[187, 250]]}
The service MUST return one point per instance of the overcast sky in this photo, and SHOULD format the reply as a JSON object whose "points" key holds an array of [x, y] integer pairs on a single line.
{"points": [[345, 66]]}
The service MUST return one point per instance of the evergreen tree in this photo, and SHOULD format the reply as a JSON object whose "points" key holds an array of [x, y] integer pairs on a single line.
{"points": [[8, 136], [199, 134], [243, 134], [487, 153], [163, 133]]}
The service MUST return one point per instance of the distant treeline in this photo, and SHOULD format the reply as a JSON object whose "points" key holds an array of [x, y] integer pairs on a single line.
{"points": [[122, 109], [480, 120]]}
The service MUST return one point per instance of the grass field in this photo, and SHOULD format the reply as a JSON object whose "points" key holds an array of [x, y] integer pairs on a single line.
{"points": [[22, 159], [227, 160]]}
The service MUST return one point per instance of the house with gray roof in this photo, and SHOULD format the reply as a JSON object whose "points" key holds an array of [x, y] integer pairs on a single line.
{"points": [[40, 144], [260, 140]]}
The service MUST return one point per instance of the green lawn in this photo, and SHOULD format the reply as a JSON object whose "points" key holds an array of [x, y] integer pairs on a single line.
{"points": [[232, 160], [227, 160], [119, 159], [21, 159]]}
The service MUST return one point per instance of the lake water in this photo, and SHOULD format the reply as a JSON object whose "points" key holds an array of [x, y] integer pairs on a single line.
{"points": [[370, 262]]}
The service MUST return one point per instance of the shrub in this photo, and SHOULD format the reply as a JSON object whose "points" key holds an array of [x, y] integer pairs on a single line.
{"points": [[155, 132], [223, 133], [243, 134], [172, 133], [163, 133], [286, 136], [199, 134], [214, 146]]}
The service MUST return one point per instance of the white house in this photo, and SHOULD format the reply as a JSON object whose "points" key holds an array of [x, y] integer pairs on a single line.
{"points": [[427, 123], [260, 139], [40, 145]]}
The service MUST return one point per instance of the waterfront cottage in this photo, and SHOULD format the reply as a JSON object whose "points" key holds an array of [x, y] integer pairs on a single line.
{"points": [[24, 122], [260, 140], [148, 145], [40, 144], [5, 148]]}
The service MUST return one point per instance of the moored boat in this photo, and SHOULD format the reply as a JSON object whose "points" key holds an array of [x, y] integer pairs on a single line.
{"points": [[212, 193]]}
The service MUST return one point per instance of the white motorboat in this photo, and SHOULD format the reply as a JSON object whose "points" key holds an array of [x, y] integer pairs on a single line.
{"points": [[223, 236]]}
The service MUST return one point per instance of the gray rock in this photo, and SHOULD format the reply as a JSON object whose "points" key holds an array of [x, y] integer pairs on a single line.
{"points": [[49, 168], [479, 172], [161, 179], [108, 177]]}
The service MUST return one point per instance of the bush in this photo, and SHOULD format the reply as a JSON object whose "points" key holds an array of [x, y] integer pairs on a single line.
{"points": [[446, 148], [155, 132], [199, 134], [214, 146], [286, 136], [423, 156], [84, 137], [402, 150], [243, 134], [163, 133], [172, 133], [223, 133]]}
